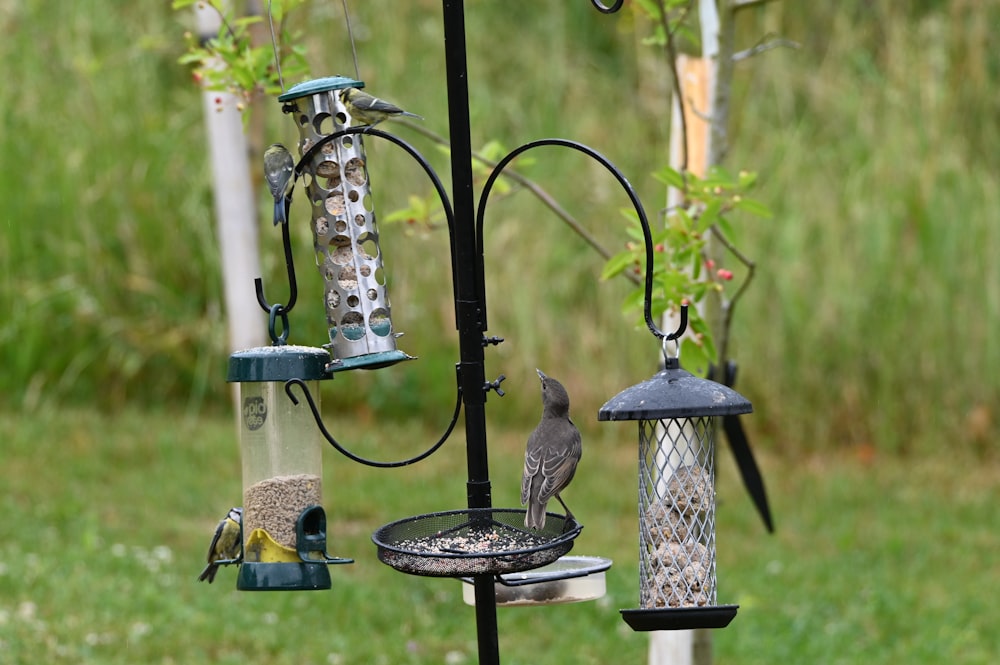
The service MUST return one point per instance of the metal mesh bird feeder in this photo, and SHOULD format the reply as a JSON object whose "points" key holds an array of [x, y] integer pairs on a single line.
{"points": [[345, 235], [284, 525], [677, 414]]}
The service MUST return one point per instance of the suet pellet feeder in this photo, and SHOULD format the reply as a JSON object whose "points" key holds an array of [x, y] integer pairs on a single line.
{"points": [[284, 524], [344, 230], [677, 414]]}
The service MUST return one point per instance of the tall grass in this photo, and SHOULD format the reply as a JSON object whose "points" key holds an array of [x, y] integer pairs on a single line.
{"points": [[878, 299], [870, 323]]}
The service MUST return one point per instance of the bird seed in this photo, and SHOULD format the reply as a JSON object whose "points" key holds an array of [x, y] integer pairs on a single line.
{"points": [[274, 504]]}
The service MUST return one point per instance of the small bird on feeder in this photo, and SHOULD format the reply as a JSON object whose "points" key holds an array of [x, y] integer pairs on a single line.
{"points": [[225, 544], [553, 451], [278, 168], [371, 110]]}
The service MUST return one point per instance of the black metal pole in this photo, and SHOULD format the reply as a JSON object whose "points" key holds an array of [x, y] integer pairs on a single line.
{"points": [[469, 309]]}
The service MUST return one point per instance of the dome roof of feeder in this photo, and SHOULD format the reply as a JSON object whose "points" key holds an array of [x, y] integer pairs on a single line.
{"points": [[314, 86], [674, 393]]}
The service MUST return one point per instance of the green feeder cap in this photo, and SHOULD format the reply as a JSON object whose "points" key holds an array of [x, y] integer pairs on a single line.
{"points": [[674, 393], [314, 86], [278, 363]]}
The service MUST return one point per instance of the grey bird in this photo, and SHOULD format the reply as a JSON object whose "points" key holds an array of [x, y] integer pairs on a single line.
{"points": [[554, 449], [279, 165]]}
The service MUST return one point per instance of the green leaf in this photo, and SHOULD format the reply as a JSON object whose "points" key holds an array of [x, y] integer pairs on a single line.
{"points": [[709, 215], [694, 357], [724, 227], [671, 177], [754, 207], [617, 264]]}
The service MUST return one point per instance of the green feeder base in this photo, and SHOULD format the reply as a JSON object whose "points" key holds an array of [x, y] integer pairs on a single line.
{"points": [[302, 576], [368, 361]]}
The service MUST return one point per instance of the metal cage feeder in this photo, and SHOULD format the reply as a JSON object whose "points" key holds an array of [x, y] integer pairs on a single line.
{"points": [[344, 230], [677, 414]]}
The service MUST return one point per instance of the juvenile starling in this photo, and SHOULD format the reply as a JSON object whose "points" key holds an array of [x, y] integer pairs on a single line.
{"points": [[371, 110], [278, 167], [554, 449]]}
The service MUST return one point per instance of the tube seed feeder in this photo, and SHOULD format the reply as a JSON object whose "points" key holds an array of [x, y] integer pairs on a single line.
{"points": [[677, 414], [284, 524]]}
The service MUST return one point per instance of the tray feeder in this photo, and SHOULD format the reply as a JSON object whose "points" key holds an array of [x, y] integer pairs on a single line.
{"points": [[474, 541]]}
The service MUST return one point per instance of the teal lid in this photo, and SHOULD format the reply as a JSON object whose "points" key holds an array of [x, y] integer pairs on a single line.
{"points": [[314, 86], [278, 363]]}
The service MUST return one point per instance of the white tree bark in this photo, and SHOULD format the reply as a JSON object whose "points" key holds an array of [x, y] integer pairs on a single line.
{"points": [[235, 209]]}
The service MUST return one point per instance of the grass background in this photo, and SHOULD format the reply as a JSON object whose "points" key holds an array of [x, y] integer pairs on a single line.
{"points": [[865, 345], [105, 531]]}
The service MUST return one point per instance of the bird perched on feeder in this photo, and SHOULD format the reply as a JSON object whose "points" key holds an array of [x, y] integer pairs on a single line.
{"points": [[278, 168], [553, 451], [225, 544], [371, 110]]}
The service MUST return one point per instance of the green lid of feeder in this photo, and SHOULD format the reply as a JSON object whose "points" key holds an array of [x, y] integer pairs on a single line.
{"points": [[278, 363], [314, 86], [674, 393]]}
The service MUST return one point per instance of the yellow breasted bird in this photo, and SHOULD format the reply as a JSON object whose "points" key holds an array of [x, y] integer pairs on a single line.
{"points": [[225, 545], [370, 110]]}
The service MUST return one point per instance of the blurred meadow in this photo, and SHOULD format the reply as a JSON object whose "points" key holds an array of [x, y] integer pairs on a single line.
{"points": [[865, 341]]}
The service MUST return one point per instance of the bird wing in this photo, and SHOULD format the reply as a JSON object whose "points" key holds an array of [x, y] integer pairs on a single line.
{"points": [[378, 105], [215, 540], [559, 465], [532, 465]]}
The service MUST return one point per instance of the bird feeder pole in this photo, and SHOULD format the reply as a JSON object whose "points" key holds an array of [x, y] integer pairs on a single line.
{"points": [[470, 311]]}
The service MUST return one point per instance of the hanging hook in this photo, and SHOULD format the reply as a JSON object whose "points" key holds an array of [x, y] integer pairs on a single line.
{"points": [[681, 327], [318, 417], [293, 287], [633, 197], [607, 9]]}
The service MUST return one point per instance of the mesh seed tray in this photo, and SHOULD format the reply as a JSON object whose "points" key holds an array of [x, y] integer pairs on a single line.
{"points": [[473, 541]]}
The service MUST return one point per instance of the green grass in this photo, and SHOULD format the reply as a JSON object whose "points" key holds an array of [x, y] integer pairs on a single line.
{"points": [[107, 519]]}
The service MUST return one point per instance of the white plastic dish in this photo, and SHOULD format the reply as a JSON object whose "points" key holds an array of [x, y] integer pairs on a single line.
{"points": [[569, 579]]}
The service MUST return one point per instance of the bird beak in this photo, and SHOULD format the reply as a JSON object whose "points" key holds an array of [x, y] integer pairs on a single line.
{"points": [[540, 374]]}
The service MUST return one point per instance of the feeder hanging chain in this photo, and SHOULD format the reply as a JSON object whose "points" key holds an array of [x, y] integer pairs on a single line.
{"points": [[276, 310]]}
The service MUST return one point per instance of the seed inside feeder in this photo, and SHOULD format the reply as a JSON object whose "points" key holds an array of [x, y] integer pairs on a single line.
{"points": [[274, 504]]}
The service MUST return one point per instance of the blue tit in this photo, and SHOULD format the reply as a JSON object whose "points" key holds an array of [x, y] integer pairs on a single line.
{"points": [[278, 168], [370, 110], [226, 545]]}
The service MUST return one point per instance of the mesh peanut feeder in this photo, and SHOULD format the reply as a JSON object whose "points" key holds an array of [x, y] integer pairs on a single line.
{"points": [[677, 414]]}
